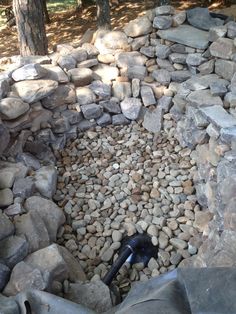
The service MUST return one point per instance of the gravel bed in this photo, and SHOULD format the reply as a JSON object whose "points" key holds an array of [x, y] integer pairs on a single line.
{"points": [[118, 181]]}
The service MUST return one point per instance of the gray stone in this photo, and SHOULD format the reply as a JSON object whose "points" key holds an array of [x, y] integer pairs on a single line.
{"points": [[81, 76], [6, 227], [207, 67], [6, 197], [60, 125], [198, 82], [85, 96], [104, 120], [164, 10], [202, 98], [86, 125], [73, 116], [119, 119], [178, 58], [55, 73], [179, 18], [111, 106], [162, 76], [148, 51], [162, 22], [4, 277], [138, 27], [51, 214], [24, 187], [4, 88], [231, 29], [94, 295], [179, 48], [67, 62], [7, 178], [178, 243], [32, 227], [153, 120], [115, 40], [46, 181], [180, 76], [13, 250], [195, 59], [165, 103], [186, 35], [137, 71], [131, 107], [139, 42], [87, 63], [32, 91], [4, 137], [25, 277], [225, 69], [201, 18], [12, 108], [217, 32], [121, 90], [217, 115], [91, 50], [162, 51], [30, 71], [230, 99], [92, 111], [8, 305], [135, 87], [129, 59], [79, 54], [165, 64], [223, 48], [107, 255], [29, 160], [63, 95], [105, 73], [14, 209], [218, 88], [101, 89], [147, 96]]}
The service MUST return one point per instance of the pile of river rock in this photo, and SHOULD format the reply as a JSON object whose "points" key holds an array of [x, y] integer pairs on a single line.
{"points": [[126, 133]]}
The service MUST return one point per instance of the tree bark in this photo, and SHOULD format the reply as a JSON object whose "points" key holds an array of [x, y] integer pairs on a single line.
{"points": [[30, 27], [103, 14], [45, 12]]}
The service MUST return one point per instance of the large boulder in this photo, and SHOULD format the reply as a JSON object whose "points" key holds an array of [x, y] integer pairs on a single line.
{"points": [[30, 71], [138, 27], [64, 94], [11, 108]]}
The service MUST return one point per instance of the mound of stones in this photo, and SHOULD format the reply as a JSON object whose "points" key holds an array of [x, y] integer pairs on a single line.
{"points": [[164, 65]]}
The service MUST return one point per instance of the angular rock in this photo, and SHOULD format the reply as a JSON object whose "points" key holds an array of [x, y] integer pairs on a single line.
{"points": [[12, 108], [91, 111], [148, 51], [162, 22], [4, 87], [178, 58], [119, 119], [104, 120], [147, 96], [222, 48], [138, 27], [81, 76], [73, 116], [60, 125], [28, 160], [102, 90], [4, 277], [180, 76], [13, 250], [6, 227], [6, 197], [85, 96], [195, 59], [225, 69], [4, 137], [94, 295], [179, 18], [165, 103], [218, 116], [162, 76], [50, 213], [201, 220], [164, 10], [25, 277], [14, 209], [186, 35], [105, 73], [8, 305], [31, 227], [32, 91], [55, 73], [139, 42], [165, 64], [207, 67], [217, 32], [130, 108], [203, 98], [121, 90], [46, 181], [79, 54], [137, 72], [87, 63], [153, 120], [23, 187], [111, 105], [218, 88], [30, 71], [162, 51], [231, 29], [201, 18], [228, 134], [135, 87], [67, 62]]}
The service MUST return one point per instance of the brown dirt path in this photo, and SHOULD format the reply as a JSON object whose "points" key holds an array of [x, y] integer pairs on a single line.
{"points": [[69, 26]]}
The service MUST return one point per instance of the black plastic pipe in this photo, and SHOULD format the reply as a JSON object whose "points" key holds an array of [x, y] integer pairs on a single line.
{"points": [[135, 243]]}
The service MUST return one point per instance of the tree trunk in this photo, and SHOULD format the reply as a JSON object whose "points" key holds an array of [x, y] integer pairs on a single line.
{"points": [[103, 14], [45, 12], [30, 27]]}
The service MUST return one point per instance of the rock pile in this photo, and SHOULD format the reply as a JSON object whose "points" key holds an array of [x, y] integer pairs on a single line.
{"points": [[164, 65]]}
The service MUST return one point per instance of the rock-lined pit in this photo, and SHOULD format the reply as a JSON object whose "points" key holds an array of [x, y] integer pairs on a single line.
{"points": [[119, 181]]}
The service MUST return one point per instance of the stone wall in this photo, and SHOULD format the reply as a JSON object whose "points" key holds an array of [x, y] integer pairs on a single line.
{"points": [[164, 62]]}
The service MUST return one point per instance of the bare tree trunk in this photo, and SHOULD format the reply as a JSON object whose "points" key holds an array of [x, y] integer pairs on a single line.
{"points": [[103, 14], [45, 11], [30, 27]]}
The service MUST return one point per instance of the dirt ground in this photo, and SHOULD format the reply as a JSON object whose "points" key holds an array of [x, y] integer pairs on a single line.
{"points": [[69, 26]]}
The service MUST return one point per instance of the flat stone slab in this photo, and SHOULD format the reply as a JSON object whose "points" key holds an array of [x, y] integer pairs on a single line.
{"points": [[219, 116], [204, 98], [186, 35]]}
